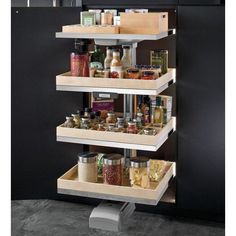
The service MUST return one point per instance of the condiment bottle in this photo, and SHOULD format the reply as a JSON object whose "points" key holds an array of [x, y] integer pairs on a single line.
{"points": [[82, 51], [126, 58], [139, 172], [85, 123], [112, 169], [108, 59], [69, 123], [97, 57], [111, 118], [132, 128], [76, 119], [87, 167], [116, 65], [158, 114]]}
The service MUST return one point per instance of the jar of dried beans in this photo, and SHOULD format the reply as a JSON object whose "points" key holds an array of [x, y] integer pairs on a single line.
{"points": [[112, 169]]}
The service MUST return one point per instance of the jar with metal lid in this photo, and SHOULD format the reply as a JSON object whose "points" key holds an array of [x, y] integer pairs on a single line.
{"points": [[132, 128], [148, 75], [111, 117], [138, 123], [87, 112], [101, 127], [85, 123], [133, 74], [76, 119], [111, 127], [69, 123], [139, 172], [120, 121], [140, 118], [87, 167], [149, 131], [112, 169]]}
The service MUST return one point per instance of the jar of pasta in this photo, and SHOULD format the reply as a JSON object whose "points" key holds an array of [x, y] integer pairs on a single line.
{"points": [[139, 172], [112, 169]]}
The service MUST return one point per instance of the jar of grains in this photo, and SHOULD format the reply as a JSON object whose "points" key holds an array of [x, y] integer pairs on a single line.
{"points": [[112, 169], [139, 172], [87, 167]]}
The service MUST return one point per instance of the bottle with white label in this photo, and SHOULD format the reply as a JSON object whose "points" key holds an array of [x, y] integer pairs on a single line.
{"points": [[116, 65], [108, 59]]}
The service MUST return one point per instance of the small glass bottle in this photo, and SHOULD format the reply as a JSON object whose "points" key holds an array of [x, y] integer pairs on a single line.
{"points": [[87, 112], [126, 58], [69, 123], [85, 123], [76, 119], [101, 127], [108, 59], [158, 113], [111, 118], [132, 128], [116, 65], [140, 118]]}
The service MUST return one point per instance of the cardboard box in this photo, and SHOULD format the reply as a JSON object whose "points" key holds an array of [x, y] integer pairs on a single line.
{"points": [[143, 23]]}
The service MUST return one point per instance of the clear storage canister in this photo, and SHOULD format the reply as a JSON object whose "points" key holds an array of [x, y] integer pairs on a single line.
{"points": [[112, 169], [87, 167], [139, 172]]}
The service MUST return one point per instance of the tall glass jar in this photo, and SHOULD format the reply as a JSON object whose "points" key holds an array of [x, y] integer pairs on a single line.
{"points": [[112, 169], [139, 172], [87, 167], [160, 58]]}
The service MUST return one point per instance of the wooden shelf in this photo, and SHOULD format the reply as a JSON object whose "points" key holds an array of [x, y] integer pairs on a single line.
{"points": [[117, 140], [66, 82], [69, 184]]}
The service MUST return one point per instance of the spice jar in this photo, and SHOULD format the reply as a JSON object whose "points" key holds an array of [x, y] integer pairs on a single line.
{"points": [[87, 167], [111, 127], [69, 123], [112, 169], [148, 75], [111, 117], [101, 127], [120, 121], [85, 123], [76, 119], [106, 18], [133, 74], [132, 128], [139, 172], [140, 118], [149, 131]]}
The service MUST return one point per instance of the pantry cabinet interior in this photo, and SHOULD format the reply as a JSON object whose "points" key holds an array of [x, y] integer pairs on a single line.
{"points": [[38, 160]]}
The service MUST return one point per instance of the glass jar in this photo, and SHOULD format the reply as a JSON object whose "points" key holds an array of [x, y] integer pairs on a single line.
{"points": [[148, 75], [100, 127], [160, 58], [149, 131], [139, 172], [133, 74], [85, 123], [140, 118], [87, 167], [112, 169], [111, 127], [111, 118], [120, 121], [87, 112], [132, 128], [69, 123], [76, 119]]}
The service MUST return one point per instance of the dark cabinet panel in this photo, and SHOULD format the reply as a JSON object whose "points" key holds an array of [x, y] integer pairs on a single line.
{"points": [[201, 108], [201, 2], [37, 108]]}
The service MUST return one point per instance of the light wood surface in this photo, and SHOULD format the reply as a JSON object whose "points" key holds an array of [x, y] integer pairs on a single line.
{"points": [[69, 184], [94, 29], [143, 23], [66, 80], [149, 140]]}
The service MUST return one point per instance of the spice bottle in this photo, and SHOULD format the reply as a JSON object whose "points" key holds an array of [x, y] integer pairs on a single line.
{"points": [[126, 58], [108, 59], [112, 169], [111, 118], [116, 65], [69, 123], [139, 172], [85, 123], [76, 119], [132, 128], [87, 167], [158, 113]]}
